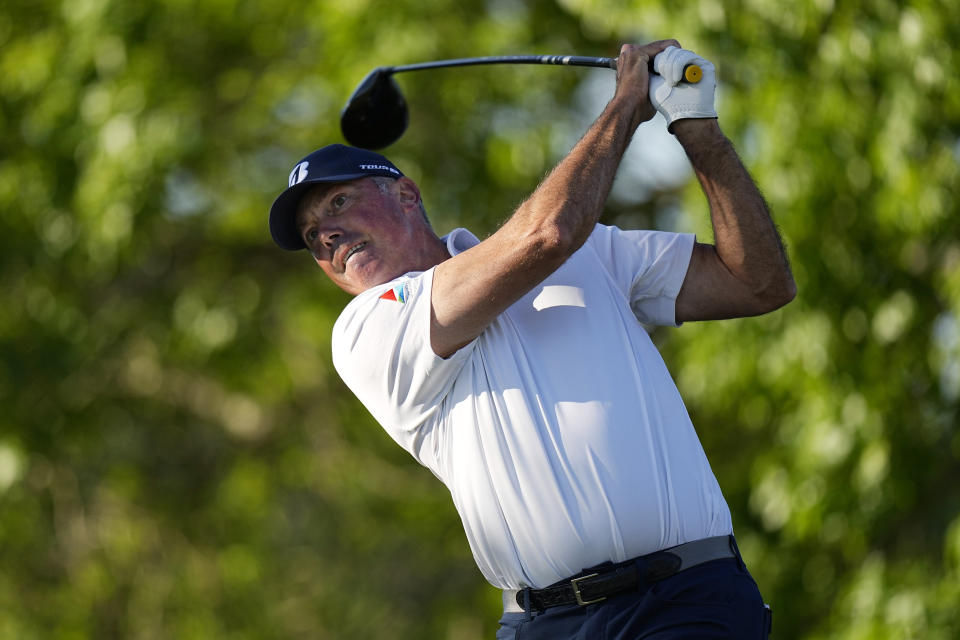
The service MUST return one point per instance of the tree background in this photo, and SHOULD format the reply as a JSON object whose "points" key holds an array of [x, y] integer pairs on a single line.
{"points": [[179, 460]]}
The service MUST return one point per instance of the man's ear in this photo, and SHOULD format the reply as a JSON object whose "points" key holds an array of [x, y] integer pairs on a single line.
{"points": [[408, 193]]}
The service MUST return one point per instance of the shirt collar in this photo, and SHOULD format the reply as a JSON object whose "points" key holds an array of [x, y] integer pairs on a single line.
{"points": [[459, 240]]}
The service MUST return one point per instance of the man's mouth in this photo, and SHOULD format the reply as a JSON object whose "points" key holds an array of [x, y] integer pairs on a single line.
{"points": [[352, 250]]}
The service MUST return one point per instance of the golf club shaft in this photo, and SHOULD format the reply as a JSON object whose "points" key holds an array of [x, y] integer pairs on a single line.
{"points": [[691, 73], [574, 61]]}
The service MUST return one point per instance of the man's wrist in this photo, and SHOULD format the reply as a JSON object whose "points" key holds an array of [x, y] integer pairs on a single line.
{"points": [[691, 130]]}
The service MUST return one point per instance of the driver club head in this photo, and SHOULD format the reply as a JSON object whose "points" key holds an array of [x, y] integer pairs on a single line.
{"points": [[376, 115]]}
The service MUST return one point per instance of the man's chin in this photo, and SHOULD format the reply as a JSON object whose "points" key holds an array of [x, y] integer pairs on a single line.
{"points": [[358, 284]]}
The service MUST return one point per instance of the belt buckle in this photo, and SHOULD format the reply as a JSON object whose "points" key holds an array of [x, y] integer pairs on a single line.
{"points": [[575, 583]]}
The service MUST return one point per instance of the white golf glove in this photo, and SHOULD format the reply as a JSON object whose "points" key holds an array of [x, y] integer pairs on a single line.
{"points": [[675, 98]]}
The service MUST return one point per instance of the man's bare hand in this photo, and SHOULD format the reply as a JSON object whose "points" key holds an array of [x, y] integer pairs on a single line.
{"points": [[633, 76]]}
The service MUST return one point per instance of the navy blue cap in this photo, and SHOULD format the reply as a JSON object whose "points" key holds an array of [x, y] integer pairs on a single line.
{"points": [[332, 163]]}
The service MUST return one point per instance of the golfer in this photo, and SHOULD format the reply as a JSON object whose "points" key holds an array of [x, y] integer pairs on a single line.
{"points": [[518, 369]]}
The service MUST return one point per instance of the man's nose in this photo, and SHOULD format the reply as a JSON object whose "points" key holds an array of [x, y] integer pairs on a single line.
{"points": [[329, 237]]}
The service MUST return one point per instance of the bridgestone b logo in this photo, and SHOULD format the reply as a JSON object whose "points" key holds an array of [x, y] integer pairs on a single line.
{"points": [[378, 167], [299, 174]]}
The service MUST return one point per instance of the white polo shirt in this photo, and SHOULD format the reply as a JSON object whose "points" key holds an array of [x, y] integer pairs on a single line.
{"points": [[559, 432]]}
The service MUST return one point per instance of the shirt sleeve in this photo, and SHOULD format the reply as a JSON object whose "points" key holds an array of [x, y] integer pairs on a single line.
{"points": [[648, 266], [381, 349]]}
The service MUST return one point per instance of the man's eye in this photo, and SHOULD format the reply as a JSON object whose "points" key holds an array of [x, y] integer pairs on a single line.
{"points": [[312, 235], [339, 201]]}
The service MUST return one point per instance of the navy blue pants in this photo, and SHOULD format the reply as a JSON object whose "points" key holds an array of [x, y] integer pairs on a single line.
{"points": [[717, 599]]}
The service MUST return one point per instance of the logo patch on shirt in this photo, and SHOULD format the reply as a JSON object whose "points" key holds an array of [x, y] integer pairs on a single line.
{"points": [[397, 294]]}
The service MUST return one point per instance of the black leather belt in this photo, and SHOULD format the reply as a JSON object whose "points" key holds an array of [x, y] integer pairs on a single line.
{"points": [[596, 585]]}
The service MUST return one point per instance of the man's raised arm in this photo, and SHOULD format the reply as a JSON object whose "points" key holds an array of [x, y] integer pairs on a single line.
{"points": [[746, 272], [474, 287]]}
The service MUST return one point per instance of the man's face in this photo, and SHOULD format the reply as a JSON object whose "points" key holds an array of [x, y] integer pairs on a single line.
{"points": [[362, 233]]}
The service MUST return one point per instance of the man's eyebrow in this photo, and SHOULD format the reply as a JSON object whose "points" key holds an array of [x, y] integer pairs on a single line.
{"points": [[323, 191]]}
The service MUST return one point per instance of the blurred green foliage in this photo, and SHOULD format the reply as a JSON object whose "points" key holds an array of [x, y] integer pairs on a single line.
{"points": [[178, 458]]}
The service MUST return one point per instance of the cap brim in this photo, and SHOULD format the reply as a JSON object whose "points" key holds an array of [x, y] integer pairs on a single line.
{"points": [[283, 212]]}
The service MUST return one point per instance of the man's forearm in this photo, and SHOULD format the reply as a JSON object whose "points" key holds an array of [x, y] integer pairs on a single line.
{"points": [[572, 196], [746, 239]]}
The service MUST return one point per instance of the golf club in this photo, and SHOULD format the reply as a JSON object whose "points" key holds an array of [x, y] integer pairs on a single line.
{"points": [[376, 114]]}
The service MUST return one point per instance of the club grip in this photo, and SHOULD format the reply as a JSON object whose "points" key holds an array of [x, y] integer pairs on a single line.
{"points": [[692, 73]]}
